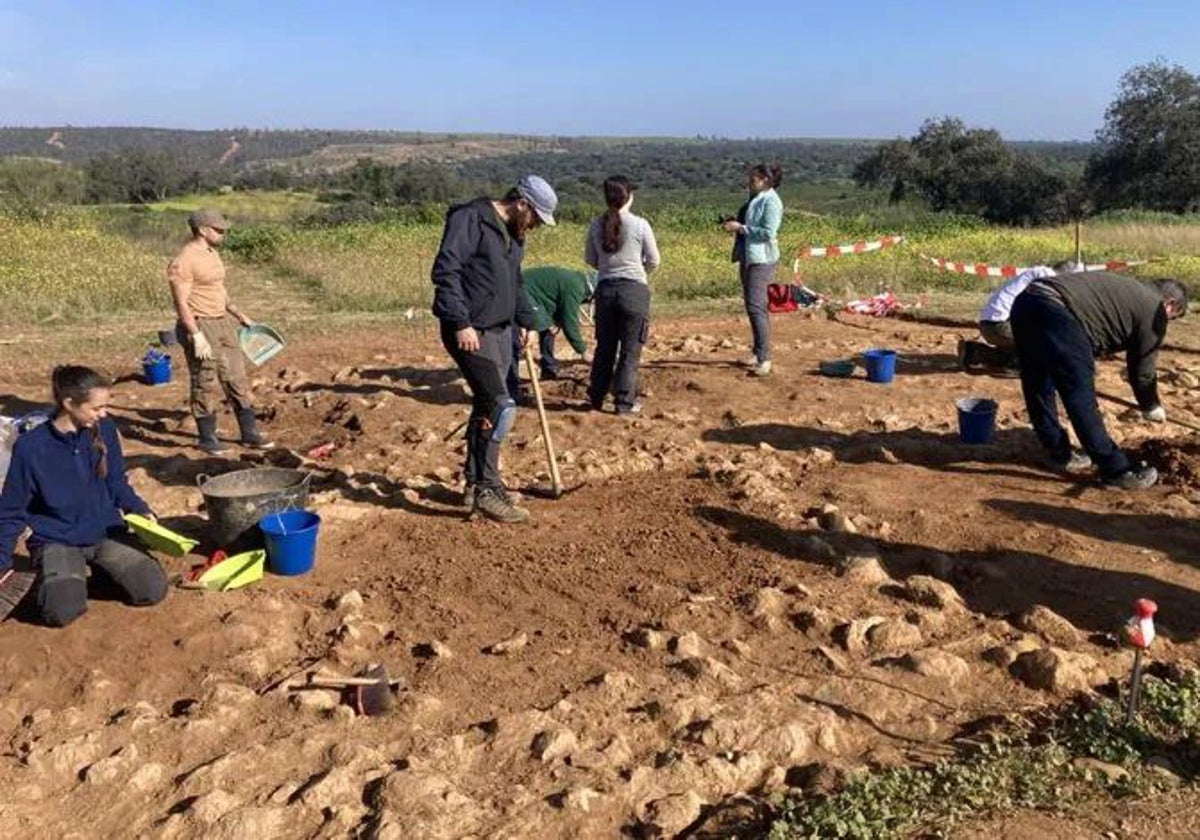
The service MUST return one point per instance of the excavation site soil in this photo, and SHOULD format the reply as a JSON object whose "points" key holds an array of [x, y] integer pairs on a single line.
{"points": [[753, 581]]}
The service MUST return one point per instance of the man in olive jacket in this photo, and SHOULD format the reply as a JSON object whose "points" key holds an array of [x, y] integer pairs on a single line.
{"points": [[1060, 324], [478, 298], [557, 295]]}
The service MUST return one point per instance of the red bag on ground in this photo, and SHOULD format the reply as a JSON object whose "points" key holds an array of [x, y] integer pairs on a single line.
{"points": [[779, 298]]}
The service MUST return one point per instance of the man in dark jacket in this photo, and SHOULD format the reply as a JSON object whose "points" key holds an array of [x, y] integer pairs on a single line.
{"points": [[479, 299], [1060, 324]]}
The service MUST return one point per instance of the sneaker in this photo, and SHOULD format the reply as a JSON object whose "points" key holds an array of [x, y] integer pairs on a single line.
{"points": [[636, 408], [496, 506], [1134, 479], [1077, 462], [762, 369]]}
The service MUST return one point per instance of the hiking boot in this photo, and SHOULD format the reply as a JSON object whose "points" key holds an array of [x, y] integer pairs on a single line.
{"points": [[762, 369], [206, 427], [1133, 479], [1076, 463], [636, 408], [252, 438], [496, 505]]}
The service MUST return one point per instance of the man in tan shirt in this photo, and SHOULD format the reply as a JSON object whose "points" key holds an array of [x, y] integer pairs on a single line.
{"points": [[208, 330]]}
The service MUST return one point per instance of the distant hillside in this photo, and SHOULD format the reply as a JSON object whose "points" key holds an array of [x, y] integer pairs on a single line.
{"points": [[306, 150]]}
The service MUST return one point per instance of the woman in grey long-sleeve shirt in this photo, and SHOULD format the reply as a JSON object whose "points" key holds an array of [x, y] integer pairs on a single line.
{"points": [[621, 247]]}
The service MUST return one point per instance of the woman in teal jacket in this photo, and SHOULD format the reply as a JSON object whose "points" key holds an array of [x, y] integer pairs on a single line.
{"points": [[756, 251]]}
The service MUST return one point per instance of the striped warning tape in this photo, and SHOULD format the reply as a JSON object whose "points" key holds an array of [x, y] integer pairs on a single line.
{"points": [[985, 270], [860, 247]]}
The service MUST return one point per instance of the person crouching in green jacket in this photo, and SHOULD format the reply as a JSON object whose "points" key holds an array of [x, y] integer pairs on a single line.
{"points": [[556, 294]]}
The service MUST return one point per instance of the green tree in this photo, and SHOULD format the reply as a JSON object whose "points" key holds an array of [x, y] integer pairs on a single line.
{"points": [[965, 170], [1150, 142], [34, 188]]}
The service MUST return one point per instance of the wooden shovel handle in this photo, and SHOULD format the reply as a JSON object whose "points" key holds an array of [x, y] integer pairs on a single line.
{"points": [[555, 478]]}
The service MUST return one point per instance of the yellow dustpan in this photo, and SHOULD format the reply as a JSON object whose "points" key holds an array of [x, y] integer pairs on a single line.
{"points": [[159, 538], [235, 572]]}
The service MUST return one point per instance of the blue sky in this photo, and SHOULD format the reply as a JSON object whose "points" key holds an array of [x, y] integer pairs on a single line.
{"points": [[1033, 70]]}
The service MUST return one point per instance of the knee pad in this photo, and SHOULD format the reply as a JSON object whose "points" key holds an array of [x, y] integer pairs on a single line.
{"points": [[504, 414], [62, 599]]}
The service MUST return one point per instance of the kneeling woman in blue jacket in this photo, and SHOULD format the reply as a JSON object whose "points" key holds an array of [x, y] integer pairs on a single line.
{"points": [[67, 482]]}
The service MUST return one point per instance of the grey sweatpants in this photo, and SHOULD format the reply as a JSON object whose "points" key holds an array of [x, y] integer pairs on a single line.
{"points": [[62, 577]]}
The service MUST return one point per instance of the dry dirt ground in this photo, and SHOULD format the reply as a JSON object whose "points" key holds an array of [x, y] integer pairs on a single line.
{"points": [[752, 577]]}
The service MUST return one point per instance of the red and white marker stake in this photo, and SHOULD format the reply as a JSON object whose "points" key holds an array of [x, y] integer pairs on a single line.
{"points": [[1139, 632]]}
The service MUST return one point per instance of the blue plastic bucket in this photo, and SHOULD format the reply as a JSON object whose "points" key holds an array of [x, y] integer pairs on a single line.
{"points": [[291, 540], [156, 368], [880, 364], [976, 419]]}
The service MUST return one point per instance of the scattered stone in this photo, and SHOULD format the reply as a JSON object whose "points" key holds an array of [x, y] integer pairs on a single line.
{"points": [[331, 787], [1093, 766], [832, 659], [512, 644], [444, 474], [853, 634], [864, 569], [580, 798], [1164, 768], [648, 638], [893, 637], [1055, 670], [814, 620], [931, 592], [769, 601], [212, 806], [811, 545], [147, 777], [1004, 655], [108, 770], [836, 521], [669, 816], [817, 778], [687, 646], [553, 744], [314, 700], [1050, 626], [821, 456], [937, 664], [699, 667], [433, 650]]}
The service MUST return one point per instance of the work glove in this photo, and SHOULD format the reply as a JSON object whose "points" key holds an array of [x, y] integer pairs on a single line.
{"points": [[204, 351], [1158, 414]]}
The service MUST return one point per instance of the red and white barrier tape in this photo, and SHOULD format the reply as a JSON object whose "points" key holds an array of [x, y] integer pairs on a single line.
{"points": [[985, 270], [860, 247]]}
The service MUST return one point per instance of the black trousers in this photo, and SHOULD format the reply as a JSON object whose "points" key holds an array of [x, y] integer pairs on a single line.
{"points": [[622, 327], [62, 586], [485, 371], [1056, 358]]}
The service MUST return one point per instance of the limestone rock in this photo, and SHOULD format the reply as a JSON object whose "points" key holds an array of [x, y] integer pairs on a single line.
{"points": [[1094, 766], [648, 638], [931, 592], [1004, 655], [937, 664], [768, 601], [512, 644], [687, 646], [350, 604], [670, 815], [332, 787], [108, 770], [147, 777], [433, 650], [314, 700], [814, 620], [893, 637], [1056, 670], [853, 635], [864, 569], [212, 806], [1050, 626], [553, 744]]}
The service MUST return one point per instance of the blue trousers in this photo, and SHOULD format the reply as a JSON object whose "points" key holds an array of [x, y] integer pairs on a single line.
{"points": [[1056, 360]]}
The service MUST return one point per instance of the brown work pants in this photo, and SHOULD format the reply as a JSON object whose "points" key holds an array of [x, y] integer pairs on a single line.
{"points": [[224, 375]]}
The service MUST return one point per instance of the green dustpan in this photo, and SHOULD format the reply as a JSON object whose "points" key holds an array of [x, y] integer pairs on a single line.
{"points": [[159, 538], [235, 572], [260, 343]]}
